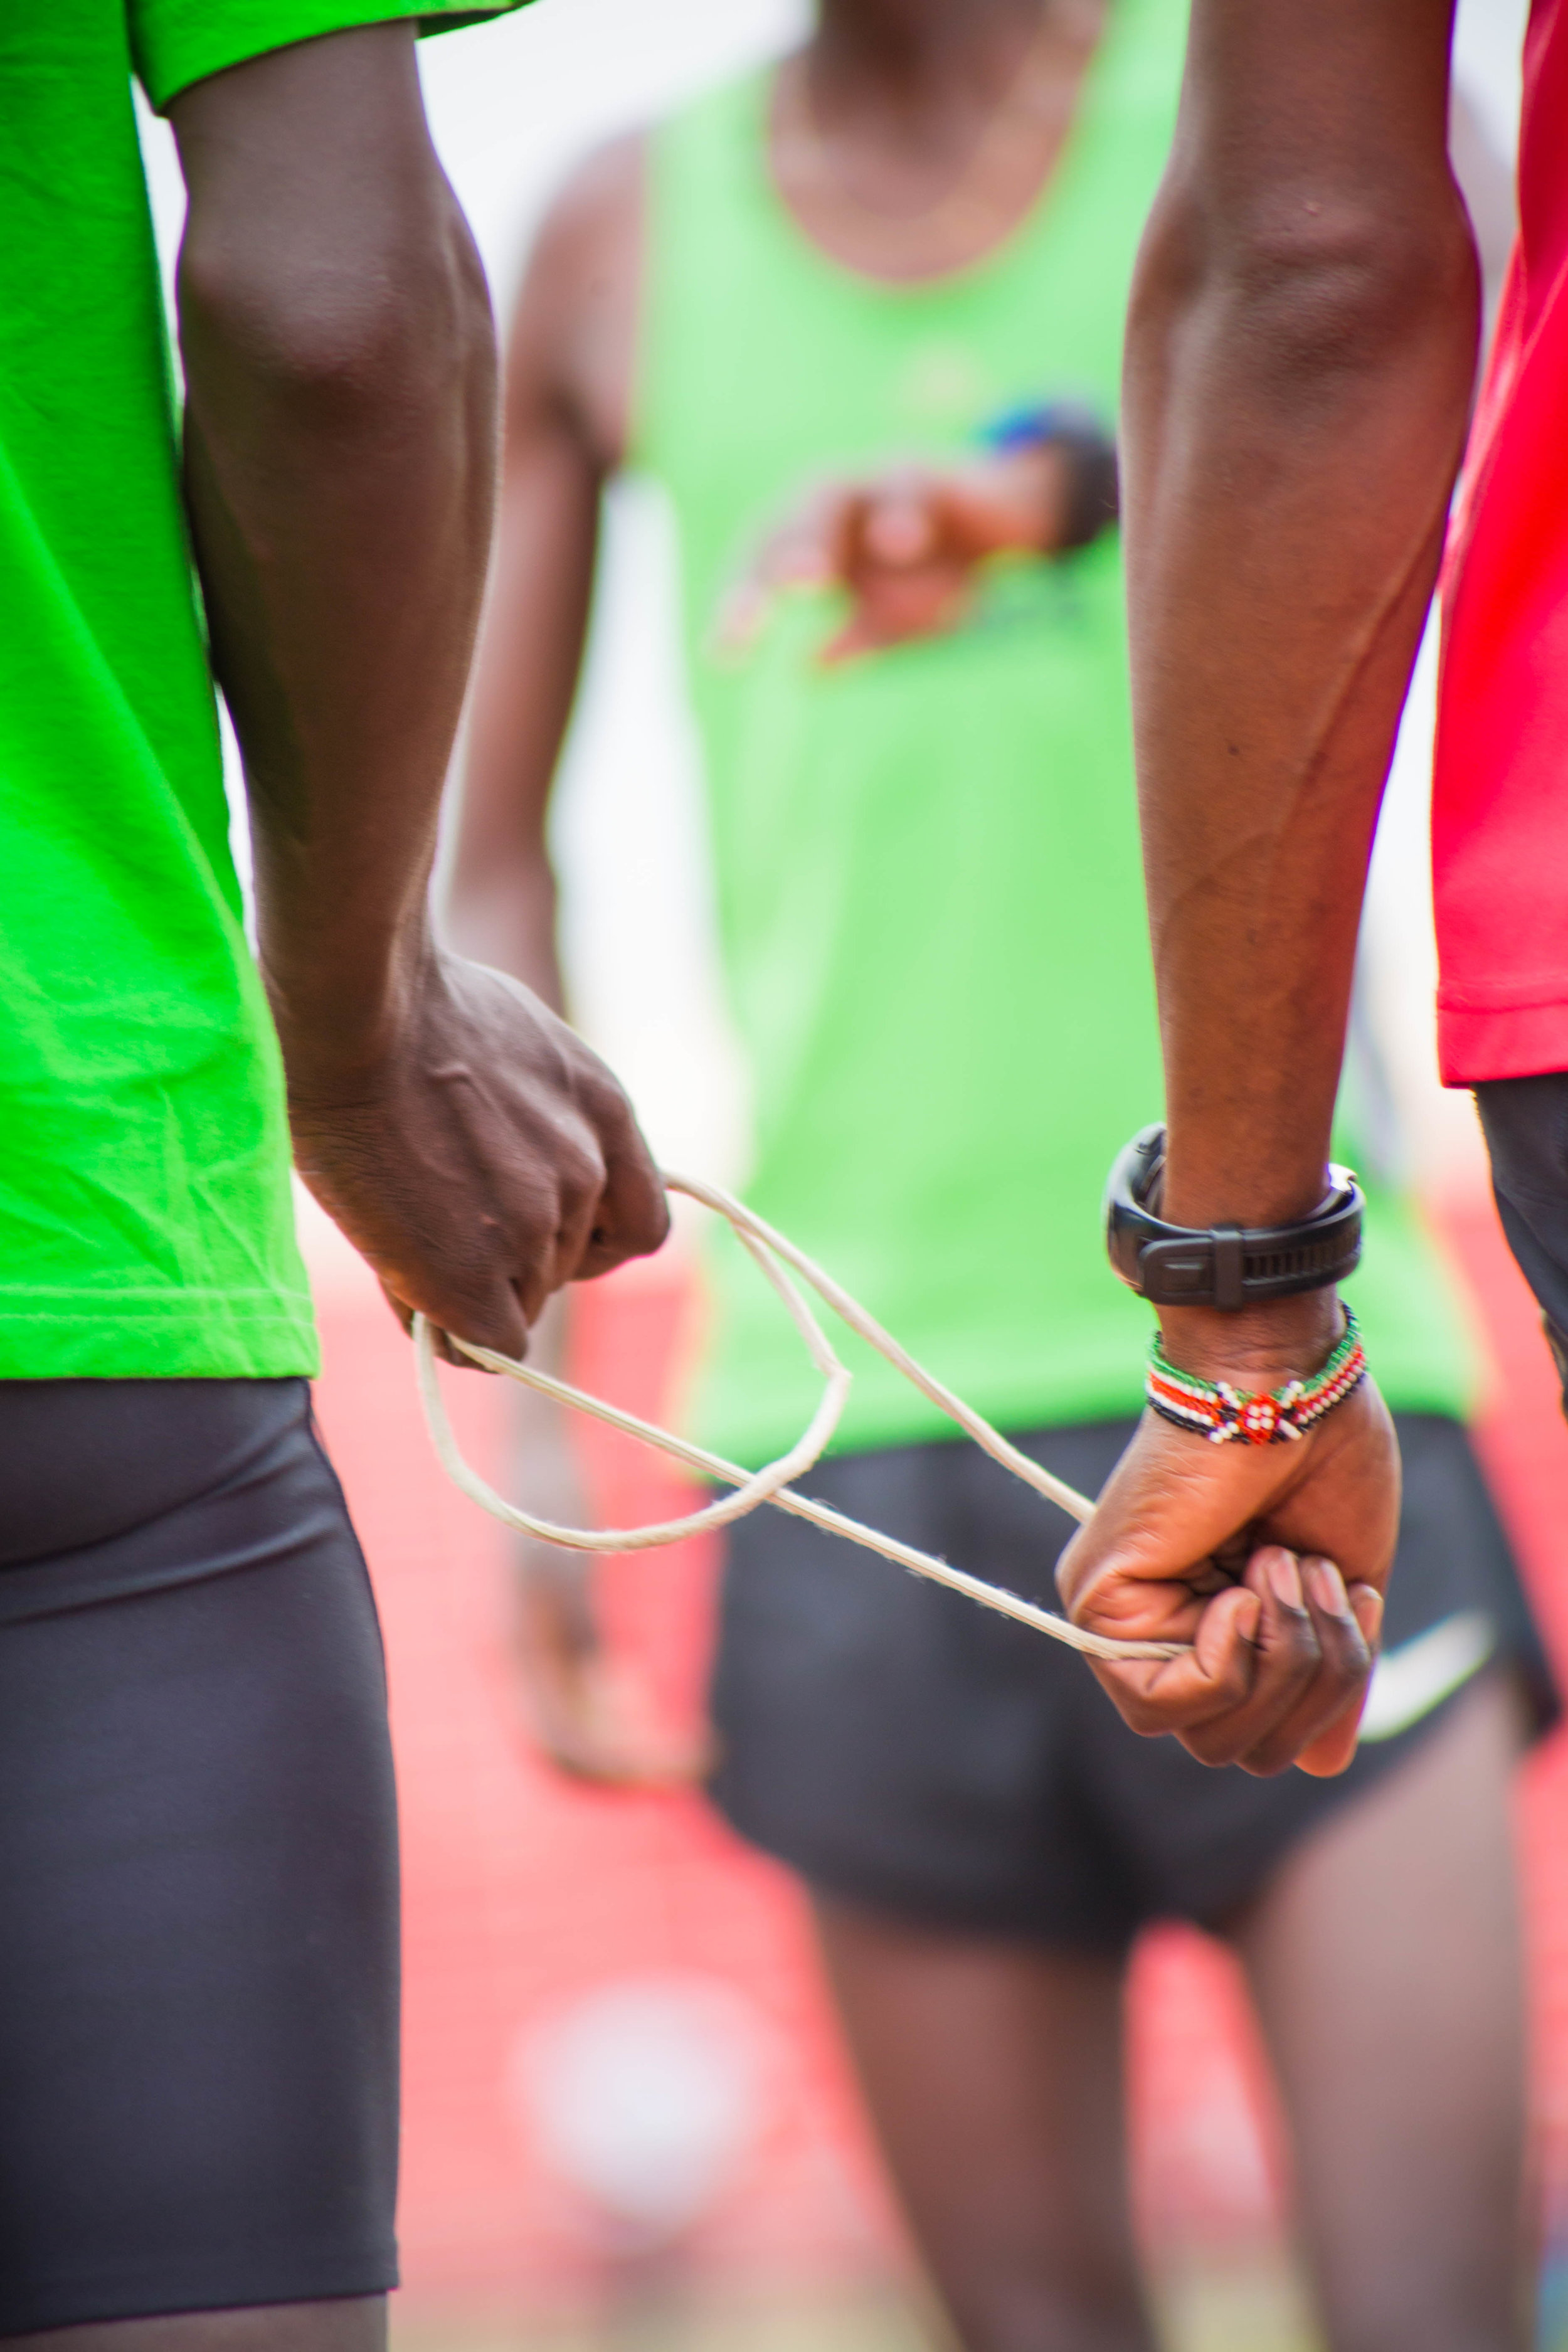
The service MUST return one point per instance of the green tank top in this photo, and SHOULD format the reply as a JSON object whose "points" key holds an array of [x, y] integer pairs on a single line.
{"points": [[927, 863]]}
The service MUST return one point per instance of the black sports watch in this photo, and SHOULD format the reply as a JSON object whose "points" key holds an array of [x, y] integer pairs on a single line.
{"points": [[1227, 1267]]}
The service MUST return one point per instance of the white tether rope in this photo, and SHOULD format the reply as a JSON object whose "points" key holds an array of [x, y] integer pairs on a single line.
{"points": [[774, 1485]]}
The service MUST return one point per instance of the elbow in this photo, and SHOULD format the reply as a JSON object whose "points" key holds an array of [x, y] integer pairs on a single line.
{"points": [[1341, 296], [1310, 293], [343, 336]]}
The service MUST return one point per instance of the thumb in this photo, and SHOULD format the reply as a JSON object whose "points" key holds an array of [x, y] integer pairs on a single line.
{"points": [[1170, 1506], [1210, 1680], [1230, 1618]]}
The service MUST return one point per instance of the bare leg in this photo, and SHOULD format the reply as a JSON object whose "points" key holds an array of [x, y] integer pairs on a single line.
{"points": [[347, 2324], [992, 2072], [1385, 1963]]}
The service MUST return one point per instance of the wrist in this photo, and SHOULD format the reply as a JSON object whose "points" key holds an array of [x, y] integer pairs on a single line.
{"points": [[1223, 1267], [1256, 1347], [1233, 1411], [339, 1015], [1194, 1195]]}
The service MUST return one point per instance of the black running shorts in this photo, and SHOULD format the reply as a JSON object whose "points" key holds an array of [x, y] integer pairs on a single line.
{"points": [[198, 1860], [1525, 1121], [904, 1749]]}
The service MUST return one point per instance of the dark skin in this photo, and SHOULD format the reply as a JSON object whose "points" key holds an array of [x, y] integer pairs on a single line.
{"points": [[1301, 351], [993, 2068], [339, 459]]}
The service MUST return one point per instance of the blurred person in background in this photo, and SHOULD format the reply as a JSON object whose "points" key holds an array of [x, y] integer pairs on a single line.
{"points": [[198, 1864], [862, 318]]}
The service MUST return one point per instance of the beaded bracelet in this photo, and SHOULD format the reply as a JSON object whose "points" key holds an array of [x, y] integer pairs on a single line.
{"points": [[1228, 1416]]}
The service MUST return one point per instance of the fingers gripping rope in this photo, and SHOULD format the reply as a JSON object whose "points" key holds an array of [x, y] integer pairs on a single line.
{"points": [[773, 1253]]}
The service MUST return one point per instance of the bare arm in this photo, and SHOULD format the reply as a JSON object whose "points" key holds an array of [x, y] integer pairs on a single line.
{"points": [[568, 380], [340, 463], [568, 390], [1301, 351], [1300, 356]]}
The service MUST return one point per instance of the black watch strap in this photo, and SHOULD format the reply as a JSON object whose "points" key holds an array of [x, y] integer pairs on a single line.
{"points": [[1229, 1267]]}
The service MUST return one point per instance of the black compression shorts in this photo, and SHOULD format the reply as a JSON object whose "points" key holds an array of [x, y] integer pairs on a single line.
{"points": [[198, 1862], [908, 1751], [1525, 1121]]}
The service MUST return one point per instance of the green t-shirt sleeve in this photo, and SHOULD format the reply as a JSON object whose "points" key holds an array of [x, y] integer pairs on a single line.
{"points": [[177, 42]]}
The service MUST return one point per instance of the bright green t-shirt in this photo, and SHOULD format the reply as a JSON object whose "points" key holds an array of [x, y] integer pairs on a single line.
{"points": [[145, 1221], [926, 862]]}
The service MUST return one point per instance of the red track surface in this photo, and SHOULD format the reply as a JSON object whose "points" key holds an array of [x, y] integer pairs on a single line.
{"points": [[522, 1893]]}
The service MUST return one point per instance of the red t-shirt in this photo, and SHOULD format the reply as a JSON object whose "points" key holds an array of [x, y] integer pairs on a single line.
{"points": [[1499, 809]]}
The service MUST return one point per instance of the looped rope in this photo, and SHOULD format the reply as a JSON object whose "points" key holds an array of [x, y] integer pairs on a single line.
{"points": [[773, 1252]]}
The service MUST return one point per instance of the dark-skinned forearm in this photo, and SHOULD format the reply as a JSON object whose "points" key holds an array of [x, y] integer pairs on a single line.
{"points": [[1301, 355], [501, 896], [340, 452]]}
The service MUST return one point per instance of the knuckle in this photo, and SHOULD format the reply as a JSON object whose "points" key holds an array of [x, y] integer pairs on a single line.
{"points": [[1211, 1748], [478, 1321], [604, 1100], [653, 1223], [1136, 1713], [579, 1174], [1149, 1718], [634, 1212]]}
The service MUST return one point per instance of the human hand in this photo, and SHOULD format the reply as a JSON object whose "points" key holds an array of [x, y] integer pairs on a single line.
{"points": [[591, 1715], [476, 1152], [1270, 1561], [906, 545]]}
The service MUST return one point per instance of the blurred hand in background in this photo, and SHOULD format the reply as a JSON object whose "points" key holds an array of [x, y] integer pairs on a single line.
{"points": [[592, 1715], [906, 545]]}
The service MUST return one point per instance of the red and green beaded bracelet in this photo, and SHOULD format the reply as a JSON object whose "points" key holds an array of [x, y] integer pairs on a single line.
{"points": [[1230, 1416]]}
